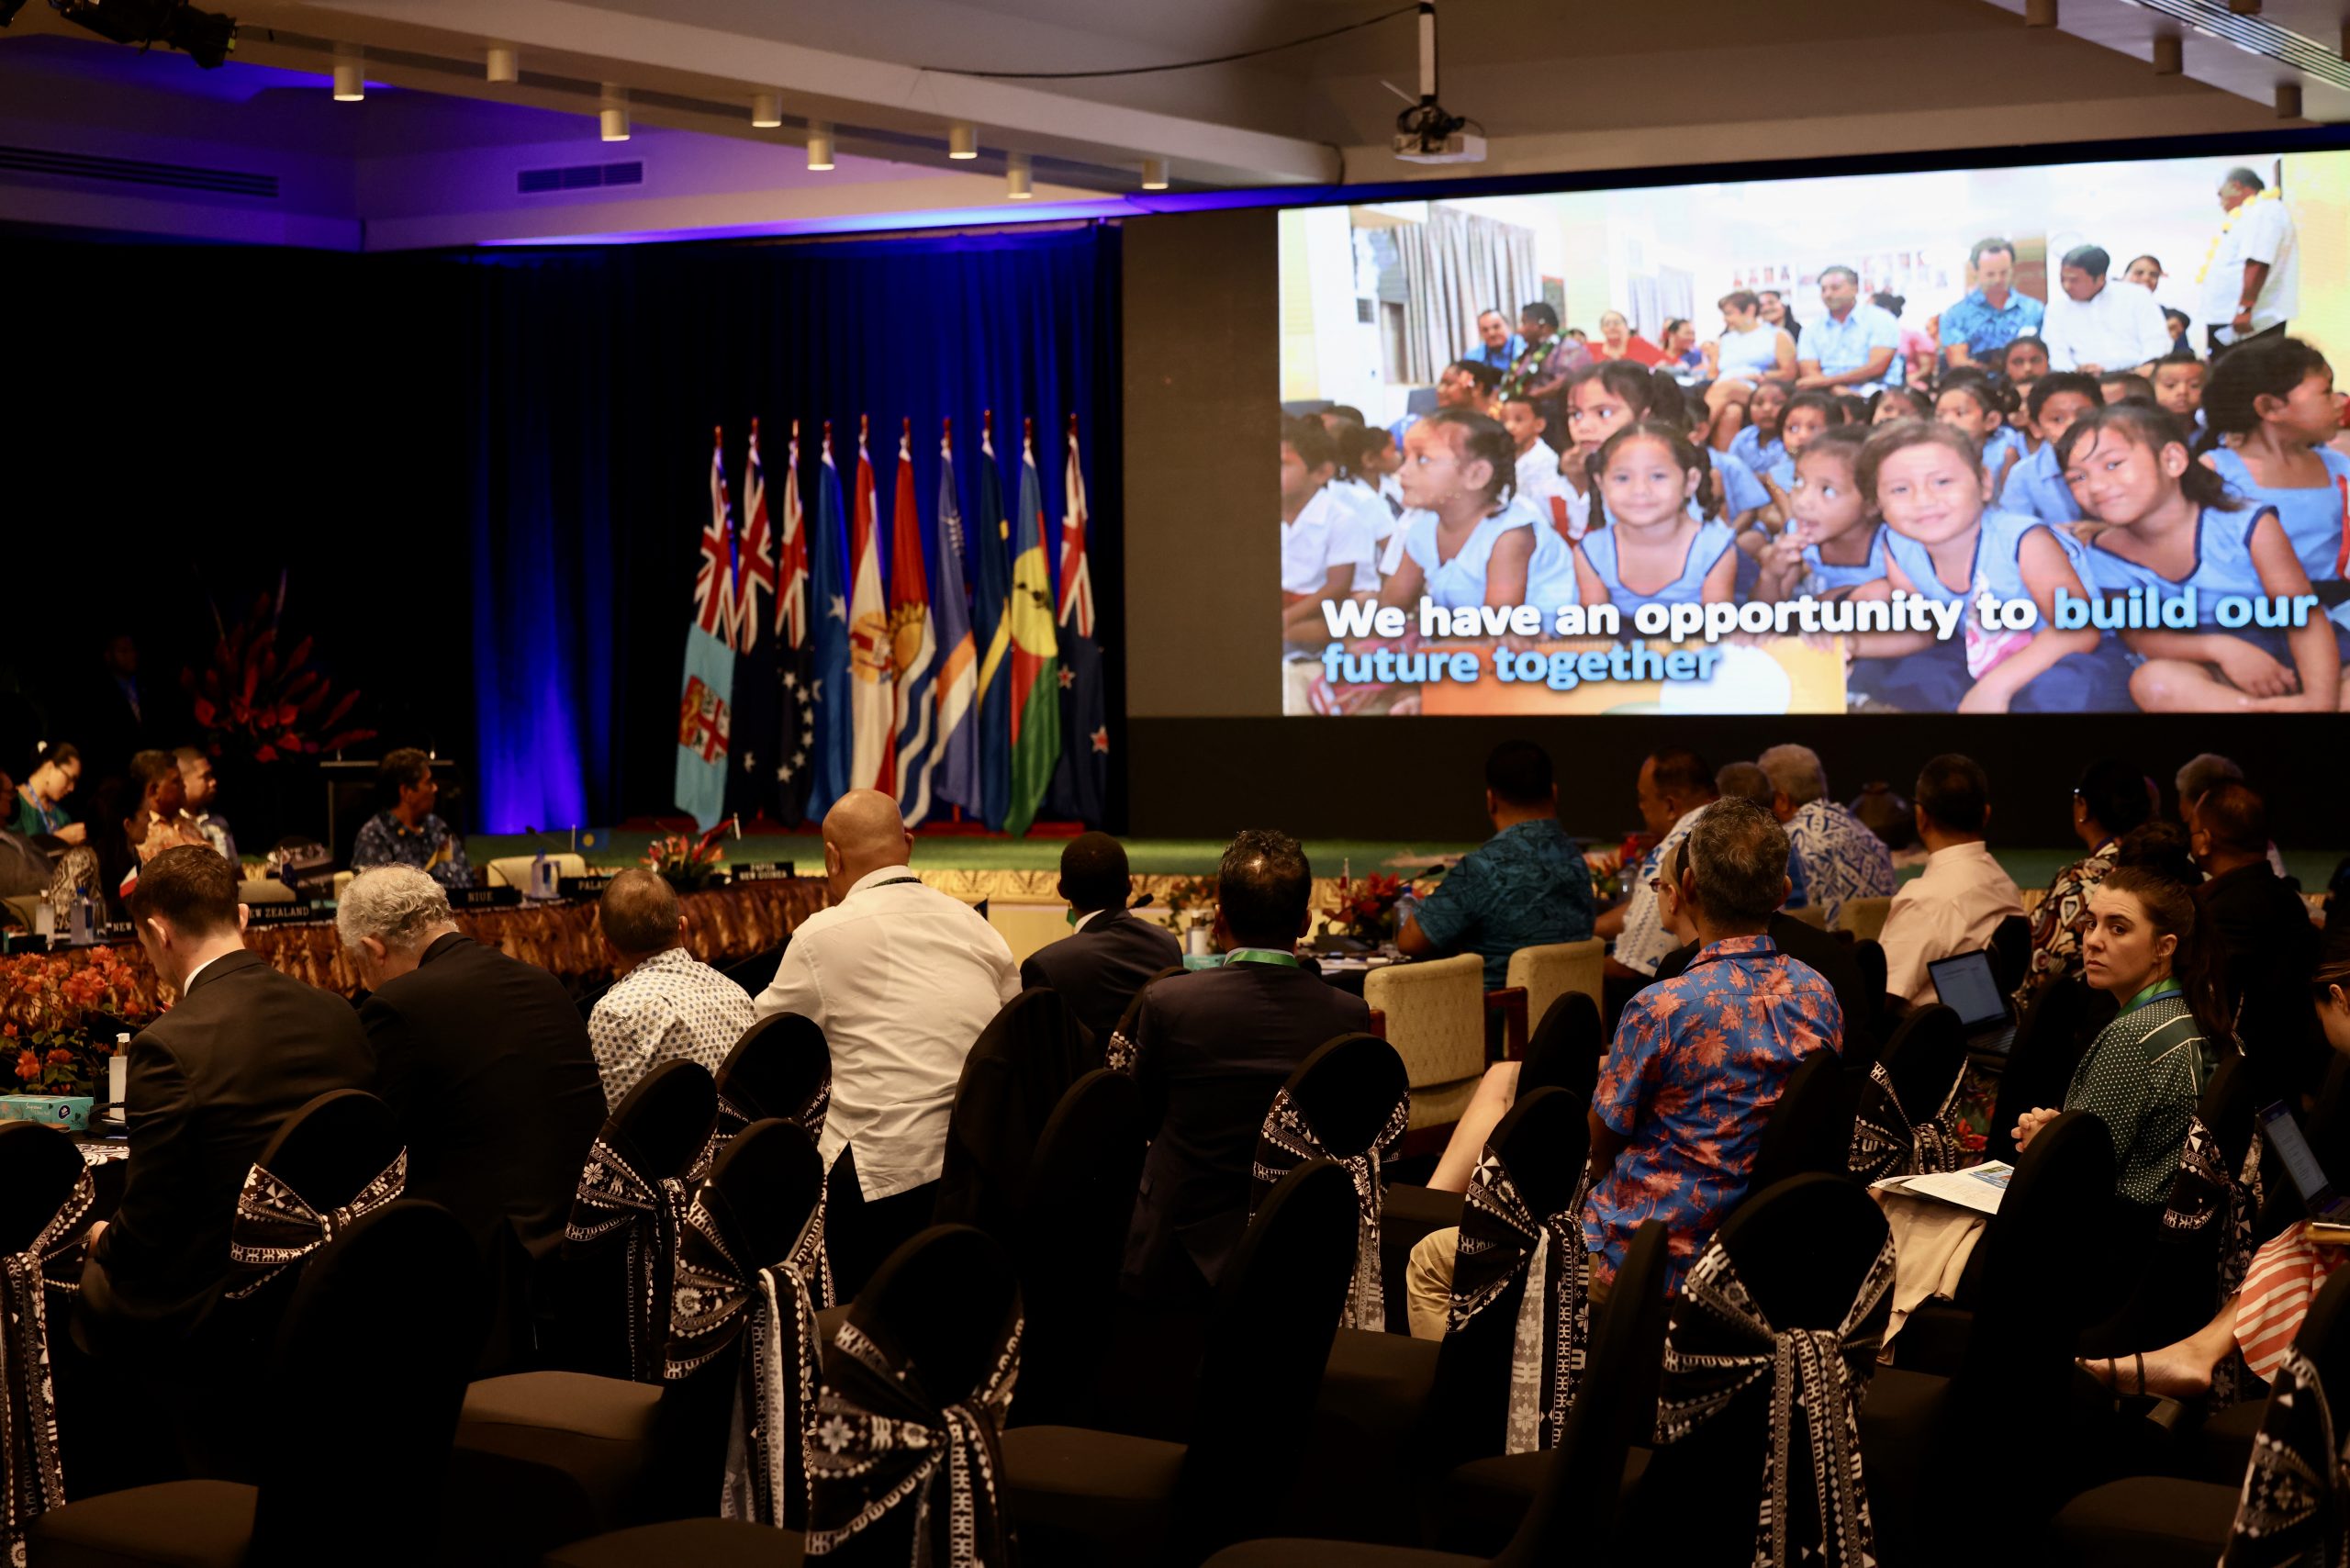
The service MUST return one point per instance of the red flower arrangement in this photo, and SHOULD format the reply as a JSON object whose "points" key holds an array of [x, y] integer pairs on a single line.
{"points": [[686, 864], [1366, 910], [265, 704], [47, 1001]]}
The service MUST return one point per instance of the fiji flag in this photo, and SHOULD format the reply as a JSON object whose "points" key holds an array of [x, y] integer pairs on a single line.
{"points": [[704, 720], [828, 603], [751, 785], [1081, 780], [993, 614], [957, 777], [1036, 654], [912, 648]]}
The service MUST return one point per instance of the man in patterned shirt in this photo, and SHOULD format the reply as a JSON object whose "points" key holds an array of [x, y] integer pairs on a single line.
{"points": [[406, 833], [2111, 799], [1526, 886], [667, 1005], [1842, 858], [1698, 1059], [1675, 784]]}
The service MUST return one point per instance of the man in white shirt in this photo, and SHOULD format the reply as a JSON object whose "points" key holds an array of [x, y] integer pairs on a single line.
{"points": [[2253, 282], [901, 979], [1326, 550], [667, 1005], [1675, 785], [1959, 900], [2094, 325]]}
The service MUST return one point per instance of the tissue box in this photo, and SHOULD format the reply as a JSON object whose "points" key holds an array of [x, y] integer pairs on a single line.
{"points": [[67, 1112]]}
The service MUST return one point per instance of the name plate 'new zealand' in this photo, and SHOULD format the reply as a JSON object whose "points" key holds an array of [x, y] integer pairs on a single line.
{"points": [[764, 871]]}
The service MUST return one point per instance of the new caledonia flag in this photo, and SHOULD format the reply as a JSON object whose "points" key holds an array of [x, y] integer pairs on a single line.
{"points": [[703, 716], [1035, 697], [913, 648]]}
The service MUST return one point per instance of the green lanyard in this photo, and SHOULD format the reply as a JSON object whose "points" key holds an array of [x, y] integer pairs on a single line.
{"points": [[2166, 986], [1259, 955]]}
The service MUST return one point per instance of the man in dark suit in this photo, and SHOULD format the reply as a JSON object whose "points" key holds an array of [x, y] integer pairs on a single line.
{"points": [[209, 1082], [1212, 1048], [1099, 967], [483, 1058]]}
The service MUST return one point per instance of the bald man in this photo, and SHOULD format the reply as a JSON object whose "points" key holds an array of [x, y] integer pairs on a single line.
{"points": [[901, 979]]}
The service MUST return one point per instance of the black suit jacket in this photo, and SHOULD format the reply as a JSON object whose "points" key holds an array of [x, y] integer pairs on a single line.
{"points": [[208, 1084], [485, 1061], [1212, 1049], [1832, 956], [1097, 970]]}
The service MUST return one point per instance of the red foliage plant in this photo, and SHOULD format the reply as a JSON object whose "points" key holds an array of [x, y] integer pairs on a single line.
{"points": [[267, 703]]}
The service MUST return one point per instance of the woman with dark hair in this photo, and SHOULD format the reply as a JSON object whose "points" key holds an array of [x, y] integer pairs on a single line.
{"points": [[2109, 799], [2144, 1074], [2270, 411], [1775, 310]]}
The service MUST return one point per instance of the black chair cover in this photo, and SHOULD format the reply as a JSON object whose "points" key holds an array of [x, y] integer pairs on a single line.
{"points": [[1785, 1307], [1566, 1050], [334, 1161], [763, 1201], [1019, 1068], [47, 1202], [903, 1463], [1521, 1259], [1069, 1243], [1810, 1128], [2011, 946], [1118, 1050], [2057, 1021], [782, 1068], [1906, 1122], [634, 1189], [1349, 1100], [2207, 1236], [2295, 1508]]}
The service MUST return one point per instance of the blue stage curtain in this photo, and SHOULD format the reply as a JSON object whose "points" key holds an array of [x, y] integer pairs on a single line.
{"points": [[595, 377]]}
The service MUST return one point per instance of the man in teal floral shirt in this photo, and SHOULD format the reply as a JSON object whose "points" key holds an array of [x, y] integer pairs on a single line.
{"points": [[1699, 1060], [1526, 886]]}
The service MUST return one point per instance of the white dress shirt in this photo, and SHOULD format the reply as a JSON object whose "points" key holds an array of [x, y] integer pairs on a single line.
{"points": [[901, 979], [2262, 231], [1328, 533], [2119, 328], [1644, 941], [1951, 907], [671, 1007]]}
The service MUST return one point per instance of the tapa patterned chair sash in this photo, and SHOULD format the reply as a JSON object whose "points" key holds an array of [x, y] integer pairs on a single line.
{"points": [[773, 1309], [33, 1481], [1502, 1241], [615, 1195], [2295, 1508], [2202, 1195], [732, 1119], [1118, 1053], [1887, 1143], [1287, 1142], [275, 1227], [1816, 1378], [941, 1464]]}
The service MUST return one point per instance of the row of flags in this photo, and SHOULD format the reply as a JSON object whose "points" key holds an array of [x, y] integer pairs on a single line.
{"points": [[807, 675]]}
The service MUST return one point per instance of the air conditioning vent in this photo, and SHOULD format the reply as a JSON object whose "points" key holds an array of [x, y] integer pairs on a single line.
{"points": [[2256, 34], [135, 171], [578, 177]]}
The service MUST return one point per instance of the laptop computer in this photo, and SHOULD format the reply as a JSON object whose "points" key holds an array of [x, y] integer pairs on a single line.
{"points": [[2284, 1135], [1970, 988]]}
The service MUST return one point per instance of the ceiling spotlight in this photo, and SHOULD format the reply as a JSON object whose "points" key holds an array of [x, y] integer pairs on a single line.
{"points": [[614, 113], [1154, 174], [820, 145], [962, 141], [205, 37], [350, 81], [767, 111], [1016, 177], [503, 66]]}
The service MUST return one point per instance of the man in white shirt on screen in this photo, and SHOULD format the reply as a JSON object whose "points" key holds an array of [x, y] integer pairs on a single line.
{"points": [[1326, 550], [1959, 900], [2096, 325], [901, 978], [2252, 284]]}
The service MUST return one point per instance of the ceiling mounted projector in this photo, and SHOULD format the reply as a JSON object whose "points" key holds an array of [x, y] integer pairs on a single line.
{"points": [[1428, 132]]}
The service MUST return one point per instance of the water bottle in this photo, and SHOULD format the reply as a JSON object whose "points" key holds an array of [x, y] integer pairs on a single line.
{"points": [[81, 931], [1407, 906]]}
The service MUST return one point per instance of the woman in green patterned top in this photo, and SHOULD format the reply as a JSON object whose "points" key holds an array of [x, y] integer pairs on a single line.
{"points": [[2146, 1070]]}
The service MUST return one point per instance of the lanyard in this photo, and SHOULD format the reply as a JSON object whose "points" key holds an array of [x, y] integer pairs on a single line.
{"points": [[2153, 993], [1260, 956]]}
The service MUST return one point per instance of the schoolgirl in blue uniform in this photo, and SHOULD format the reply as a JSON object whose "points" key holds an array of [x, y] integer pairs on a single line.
{"points": [[1661, 542], [2036, 485], [1467, 540], [2269, 410], [1835, 541]]}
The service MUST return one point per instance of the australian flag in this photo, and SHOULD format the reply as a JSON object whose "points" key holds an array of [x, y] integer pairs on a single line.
{"points": [[1080, 779]]}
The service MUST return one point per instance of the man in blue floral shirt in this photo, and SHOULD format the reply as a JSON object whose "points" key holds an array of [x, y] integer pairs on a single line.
{"points": [[1699, 1060], [406, 833], [1841, 860], [1526, 886]]}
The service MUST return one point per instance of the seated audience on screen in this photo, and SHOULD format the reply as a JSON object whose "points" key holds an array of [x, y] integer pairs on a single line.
{"points": [[485, 1061], [2125, 386], [2035, 486], [1524, 887], [405, 832], [2096, 324], [1212, 1050], [666, 1004], [1498, 346], [1959, 900], [1326, 550], [1540, 373], [2272, 410], [1674, 785], [1617, 341], [1841, 860], [2179, 387], [1991, 315], [1470, 541], [1110, 954], [2109, 799], [1855, 346], [243, 1048]]}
